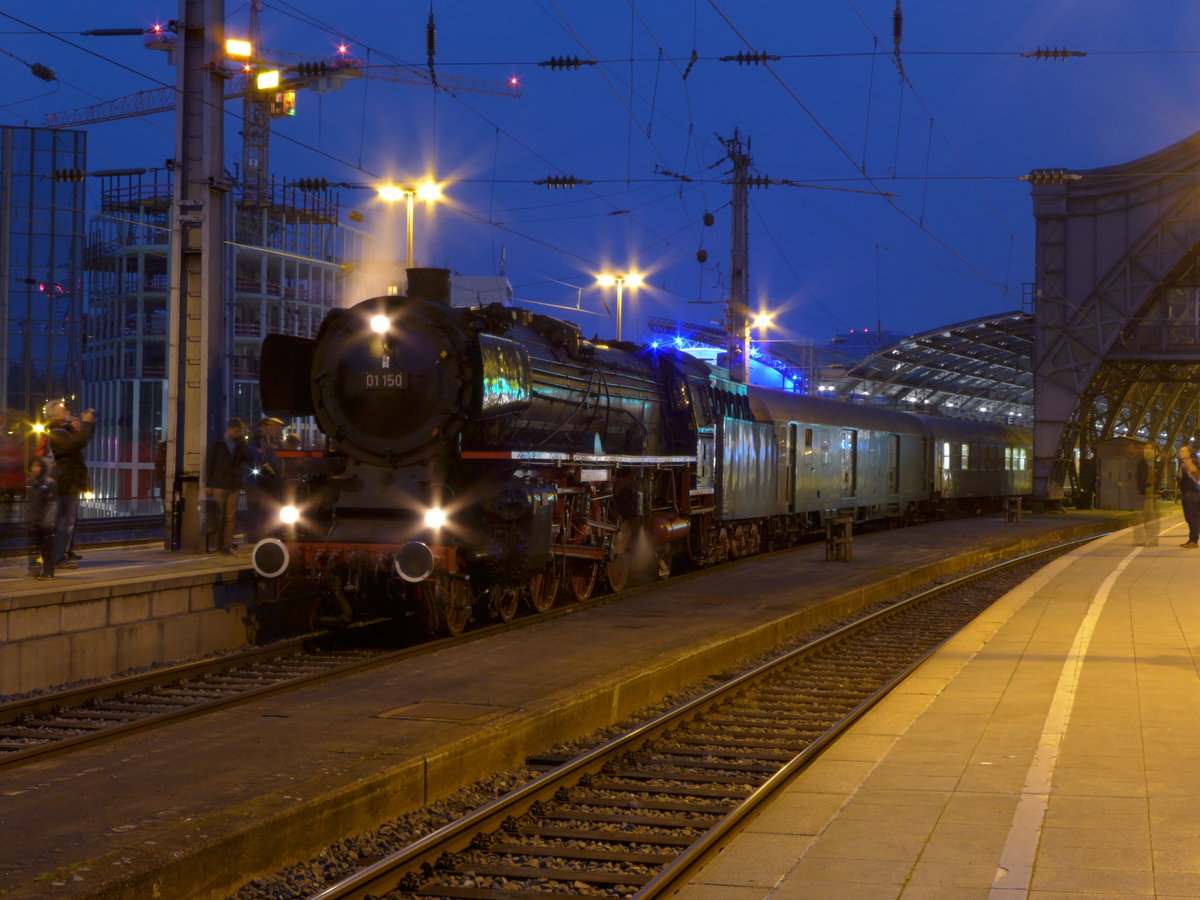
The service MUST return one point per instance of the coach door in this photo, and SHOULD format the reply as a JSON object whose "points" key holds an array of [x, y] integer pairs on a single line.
{"points": [[849, 462], [792, 439], [893, 463]]}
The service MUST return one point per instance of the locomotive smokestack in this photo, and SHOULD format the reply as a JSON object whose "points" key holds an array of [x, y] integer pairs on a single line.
{"points": [[433, 284]]}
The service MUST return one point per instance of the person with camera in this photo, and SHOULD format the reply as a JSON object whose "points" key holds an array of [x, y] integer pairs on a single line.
{"points": [[1189, 494], [66, 439]]}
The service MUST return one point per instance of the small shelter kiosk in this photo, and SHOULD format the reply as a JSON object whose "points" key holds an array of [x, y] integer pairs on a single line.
{"points": [[1125, 473]]}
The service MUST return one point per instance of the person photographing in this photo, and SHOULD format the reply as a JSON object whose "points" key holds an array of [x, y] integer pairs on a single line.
{"points": [[1189, 494], [66, 440]]}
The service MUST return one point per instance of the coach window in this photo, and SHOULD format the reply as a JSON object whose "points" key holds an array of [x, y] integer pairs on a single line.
{"points": [[966, 457], [945, 454], [808, 441]]}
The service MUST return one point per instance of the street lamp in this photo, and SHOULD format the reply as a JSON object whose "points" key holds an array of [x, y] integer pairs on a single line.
{"points": [[427, 191], [633, 279]]}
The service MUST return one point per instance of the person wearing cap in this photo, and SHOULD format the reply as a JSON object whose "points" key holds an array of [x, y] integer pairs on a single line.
{"points": [[264, 478], [228, 459]]}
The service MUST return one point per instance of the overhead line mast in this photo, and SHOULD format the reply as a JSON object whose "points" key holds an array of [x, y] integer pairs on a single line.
{"points": [[737, 307]]}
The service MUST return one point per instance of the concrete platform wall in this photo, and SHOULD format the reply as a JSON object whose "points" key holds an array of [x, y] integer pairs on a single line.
{"points": [[57, 637]]}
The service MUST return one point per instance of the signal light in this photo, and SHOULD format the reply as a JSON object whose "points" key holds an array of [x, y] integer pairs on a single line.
{"points": [[69, 174], [283, 104]]}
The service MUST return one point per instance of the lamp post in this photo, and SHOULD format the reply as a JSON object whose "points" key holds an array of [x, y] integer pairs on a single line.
{"points": [[427, 191], [633, 279]]}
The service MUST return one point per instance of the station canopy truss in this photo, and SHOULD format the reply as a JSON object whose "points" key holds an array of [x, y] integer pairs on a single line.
{"points": [[981, 369]]}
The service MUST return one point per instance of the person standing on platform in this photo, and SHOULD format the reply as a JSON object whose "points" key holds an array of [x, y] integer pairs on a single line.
{"points": [[65, 442], [1189, 494], [264, 480], [41, 514], [224, 470]]}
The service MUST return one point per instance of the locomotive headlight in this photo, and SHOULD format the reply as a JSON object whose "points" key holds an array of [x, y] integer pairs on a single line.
{"points": [[289, 515], [435, 518], [380, 324]]}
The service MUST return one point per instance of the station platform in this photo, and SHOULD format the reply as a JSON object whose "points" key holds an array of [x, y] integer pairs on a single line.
{"points": [[197, 808], [121, 608], [1050, 750]]}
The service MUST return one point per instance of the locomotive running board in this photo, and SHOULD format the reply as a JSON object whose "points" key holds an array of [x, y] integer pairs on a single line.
{"points": [[548, 456]]}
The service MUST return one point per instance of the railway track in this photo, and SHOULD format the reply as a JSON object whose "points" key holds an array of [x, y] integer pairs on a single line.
{"points": [[634, 817], [60, 721]]}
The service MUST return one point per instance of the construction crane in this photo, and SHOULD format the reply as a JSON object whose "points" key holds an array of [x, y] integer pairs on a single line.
{"points": [[259, 105]]}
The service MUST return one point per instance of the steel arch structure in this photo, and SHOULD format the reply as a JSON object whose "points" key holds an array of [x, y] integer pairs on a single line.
{"points": [[1116, 311]]}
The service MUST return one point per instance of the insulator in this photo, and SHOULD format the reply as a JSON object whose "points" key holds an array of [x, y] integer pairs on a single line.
{"points": [[897, 26], [702, 255], [312, 184], [691, 63], [1052, 53], [69, 174], [430, 36], [668, 172], [312, 70], [1050, 176], [43, 72], [709, 219], [566, 62], [758, 57], [561, 181]]}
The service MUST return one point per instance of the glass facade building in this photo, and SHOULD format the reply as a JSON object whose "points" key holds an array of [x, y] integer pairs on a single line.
{"points": [[43, 303]]}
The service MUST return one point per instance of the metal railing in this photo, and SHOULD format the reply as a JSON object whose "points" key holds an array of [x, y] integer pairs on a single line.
{"points": [[92, 510]]}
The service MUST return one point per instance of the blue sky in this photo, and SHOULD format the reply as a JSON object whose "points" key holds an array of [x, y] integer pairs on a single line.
{"points": [[955, 241]]}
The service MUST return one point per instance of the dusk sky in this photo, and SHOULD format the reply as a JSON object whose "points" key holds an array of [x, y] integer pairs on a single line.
{"points": [[950, 140]]}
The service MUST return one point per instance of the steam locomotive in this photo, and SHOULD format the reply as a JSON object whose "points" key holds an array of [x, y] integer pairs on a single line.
{"points": [[488, 457]]}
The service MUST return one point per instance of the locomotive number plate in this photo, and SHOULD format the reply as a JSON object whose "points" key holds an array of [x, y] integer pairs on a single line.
{"points": [[386, 380]]}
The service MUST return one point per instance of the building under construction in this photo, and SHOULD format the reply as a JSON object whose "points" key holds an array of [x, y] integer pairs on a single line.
{"points": [[41, 264], [286, 258]]}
